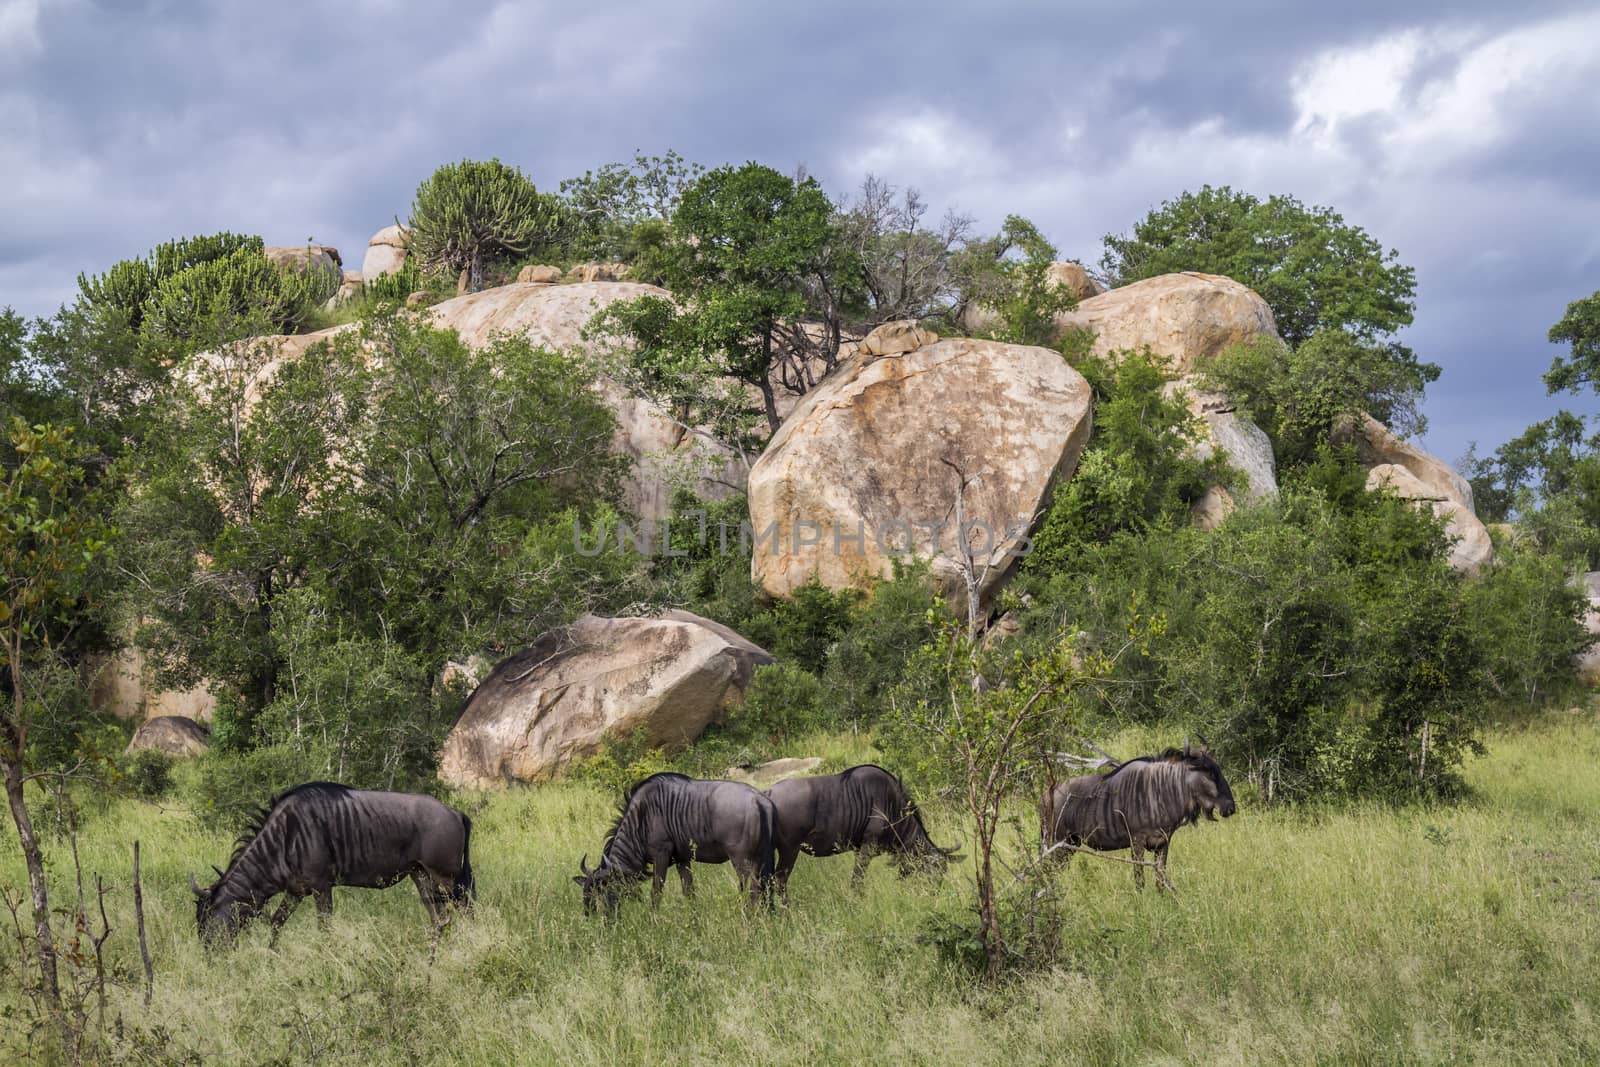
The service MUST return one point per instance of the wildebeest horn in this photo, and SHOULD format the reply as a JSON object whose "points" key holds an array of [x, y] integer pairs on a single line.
{"points": [[583, 864], [1185, 744], [194, 887], [953, 849], [214, 867]]}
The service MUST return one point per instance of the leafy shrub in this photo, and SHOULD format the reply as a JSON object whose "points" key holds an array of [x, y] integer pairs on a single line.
{"points": [[466, 213], [148, 774], [622, 760], [239, 294], [228, 788]]}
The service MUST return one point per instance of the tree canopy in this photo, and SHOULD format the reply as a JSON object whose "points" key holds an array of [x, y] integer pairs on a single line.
{"points": [[1315, 270]]}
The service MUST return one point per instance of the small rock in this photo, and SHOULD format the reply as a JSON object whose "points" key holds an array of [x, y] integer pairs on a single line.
{"points": [[536, 273], [172, 734], [894, 338], [766, 775], [419, 299]]}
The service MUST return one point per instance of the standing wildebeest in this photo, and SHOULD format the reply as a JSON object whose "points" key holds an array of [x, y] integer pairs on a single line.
{"points": [[1137, 806], [864, 809], [319, 835], [673, 820]]}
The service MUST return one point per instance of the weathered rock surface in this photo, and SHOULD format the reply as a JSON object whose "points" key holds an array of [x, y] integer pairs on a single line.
{"points": [[1473, 547], [1242, 443], [767, 775], [1075, 280], [598, 272], [320, 259], [173, 734], [419, 299], [1376, 444], [122, 684], [663, 451], [1416, 475], [1070, 276], [862, 461], [533, 272], [1588, 661], [386, 253], [1180, 316], [893, 338], [543, 709]]}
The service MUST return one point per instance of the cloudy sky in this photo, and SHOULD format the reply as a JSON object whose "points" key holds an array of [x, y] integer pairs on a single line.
{"points": [[1464, 135]]}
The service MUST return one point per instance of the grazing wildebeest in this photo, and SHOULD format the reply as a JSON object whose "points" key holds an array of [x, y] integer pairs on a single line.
{"points": [[864, 809], [318, 835], [671, 820], [1138, 806]]}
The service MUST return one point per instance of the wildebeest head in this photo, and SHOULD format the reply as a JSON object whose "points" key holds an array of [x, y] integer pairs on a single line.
{"points": [[605, 885], [220, 911], [1205, 783], [915, 851]]}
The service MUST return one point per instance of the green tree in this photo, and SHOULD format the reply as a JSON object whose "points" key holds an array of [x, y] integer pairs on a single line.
{"points": [[129, 285], [1316, 271], [754, 257], [47, 541], [1139, 471], [1579, 327], [464, 214], [618, 212], [1303, 394], [1009, 274]]}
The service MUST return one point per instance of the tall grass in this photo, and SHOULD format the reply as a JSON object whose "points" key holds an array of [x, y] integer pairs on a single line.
{"points": [[1314, 935]]}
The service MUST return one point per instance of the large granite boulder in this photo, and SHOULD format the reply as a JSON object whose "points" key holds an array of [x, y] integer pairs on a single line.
{"points": [[308, 259], [386, 253], [123, 684], [1242, 443], [1589, 659], [1472, 546], [866, 467], [1180, 316], [1415, 475], [173, 734], [550, 706], [1069, 276], [664, 451]]}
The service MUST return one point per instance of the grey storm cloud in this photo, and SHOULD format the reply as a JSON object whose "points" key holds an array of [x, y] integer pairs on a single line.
{"points": [[1456, 133]]}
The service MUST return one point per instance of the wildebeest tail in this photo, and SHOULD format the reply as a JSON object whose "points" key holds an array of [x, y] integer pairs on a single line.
{"points": [[465, 890], [765, 849]]}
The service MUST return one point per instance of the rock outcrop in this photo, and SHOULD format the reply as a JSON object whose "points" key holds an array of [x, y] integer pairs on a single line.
{"points": [[173, 734], [1241, 442], [1588, 661], [319, 259], [1415, 475], [865, 468], [122, 684], [598, 272], [386, 253], [663, 451], [1472, 548], [1180, 316], [548, 707], [893, 338], [533, 272], [766, 775], [1070, 276]]}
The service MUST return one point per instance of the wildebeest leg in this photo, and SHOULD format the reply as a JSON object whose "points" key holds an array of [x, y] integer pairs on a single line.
{"points": [[685, 877], [324, 906], [658, 876], [858, 877], [429, 893], [1162, 881], [786, 862], [1136, 851], [291, 900]]}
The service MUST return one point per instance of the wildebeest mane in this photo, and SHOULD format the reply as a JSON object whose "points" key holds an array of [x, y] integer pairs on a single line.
{"points": [[257, 820], [627, 802]]}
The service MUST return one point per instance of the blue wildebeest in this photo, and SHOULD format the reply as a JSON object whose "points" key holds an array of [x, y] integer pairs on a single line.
{"points": [[318, 835], [1138, 806], [864, 810], [671, 820]]}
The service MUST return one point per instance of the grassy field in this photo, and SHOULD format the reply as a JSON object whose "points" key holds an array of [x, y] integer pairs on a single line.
{"points": [[1468, 933]]}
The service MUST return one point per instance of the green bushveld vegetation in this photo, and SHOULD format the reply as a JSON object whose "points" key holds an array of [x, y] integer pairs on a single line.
{"points": [[318, 540]]}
